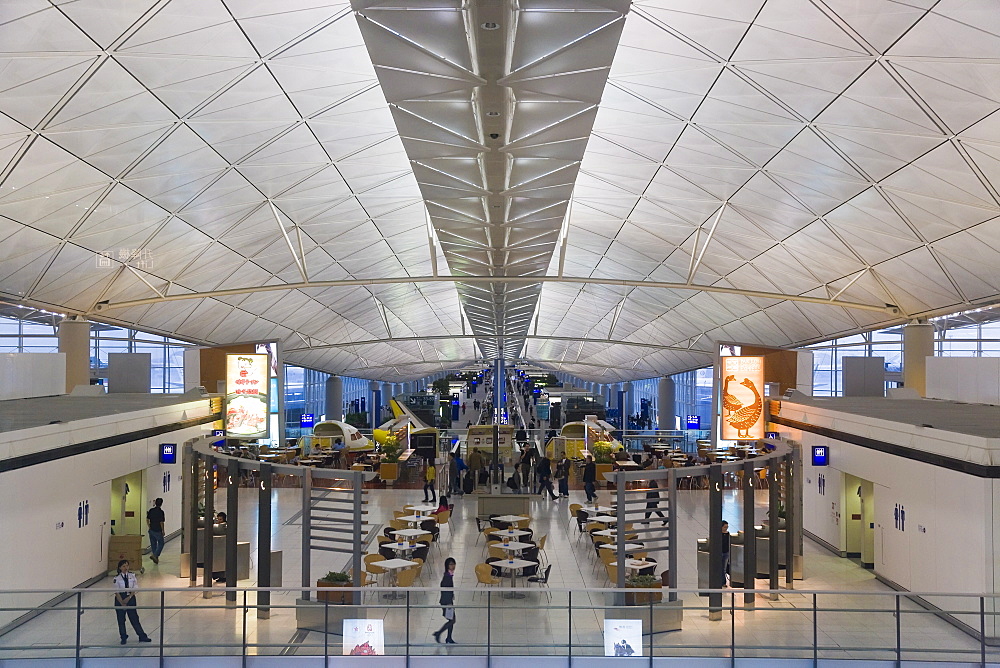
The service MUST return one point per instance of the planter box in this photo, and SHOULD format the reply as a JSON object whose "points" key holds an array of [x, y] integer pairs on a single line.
{"points": [[337, 597], [642, 597], [388, 473], [600, 470], [666, 615]]}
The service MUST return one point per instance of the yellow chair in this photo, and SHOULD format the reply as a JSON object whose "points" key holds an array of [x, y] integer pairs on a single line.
{"points": [[419, 567], [612, 574], [541, 547], [486, 533], [371, 566], [406, 576], [484, 576], [521, 524], [398, 525], [443, 517], [593, 526], [573, 509], [396, 514], [384, 539], [496, 552]]}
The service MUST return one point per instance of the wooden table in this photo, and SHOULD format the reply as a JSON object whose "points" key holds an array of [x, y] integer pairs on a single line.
{"points": [[514, 546], [513, 565], [510, 533], [638, 564], [428, 508], [403, 548], [629, 547], [597, 510], [414, 519], [393, 565], [409, 533]]}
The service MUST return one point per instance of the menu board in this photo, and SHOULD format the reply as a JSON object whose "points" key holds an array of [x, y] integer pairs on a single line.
{"points": [[364, 637], [246, 396], [622, 637], [742, 403]]}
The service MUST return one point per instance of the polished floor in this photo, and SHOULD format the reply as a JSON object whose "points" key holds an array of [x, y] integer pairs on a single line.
{"points": [[193, 624]]}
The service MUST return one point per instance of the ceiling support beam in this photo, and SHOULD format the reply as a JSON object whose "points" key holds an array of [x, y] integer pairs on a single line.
{"points": [[890, 309], [299, 261], [453, 337]]}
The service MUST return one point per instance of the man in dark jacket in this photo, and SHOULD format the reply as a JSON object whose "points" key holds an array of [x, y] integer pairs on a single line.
{"points": [[589, 478]]}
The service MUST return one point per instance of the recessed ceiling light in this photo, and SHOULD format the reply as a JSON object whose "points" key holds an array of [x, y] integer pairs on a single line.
{"points": [[490, 25], [492, 113]]}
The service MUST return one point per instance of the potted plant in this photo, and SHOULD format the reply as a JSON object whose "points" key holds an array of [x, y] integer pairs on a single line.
{"points": [[601, 450], [335, 579], [643, 597], [388, 470]]}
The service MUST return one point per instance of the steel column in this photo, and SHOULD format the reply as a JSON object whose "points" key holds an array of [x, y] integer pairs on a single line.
{"points": [[749, 537], [307, 533], [232, 525], [208, 535], [716, 577], [789, 480], [773, 501], [672, 546], [264, 541]]}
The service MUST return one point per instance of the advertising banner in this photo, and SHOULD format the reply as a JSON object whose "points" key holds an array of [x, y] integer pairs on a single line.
{"points": [[364, 637], [622, 637], [742, 403], [246, 396]]}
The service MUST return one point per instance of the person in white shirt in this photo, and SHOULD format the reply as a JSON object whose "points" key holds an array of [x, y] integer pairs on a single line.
{"points": [[126, 584]]}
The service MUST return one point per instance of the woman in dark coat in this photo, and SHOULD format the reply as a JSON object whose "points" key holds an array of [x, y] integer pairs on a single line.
{"points": [[447, 601]]}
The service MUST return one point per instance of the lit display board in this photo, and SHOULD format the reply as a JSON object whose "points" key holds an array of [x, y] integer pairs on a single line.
{"points": [[246, 396], [742, 400]]}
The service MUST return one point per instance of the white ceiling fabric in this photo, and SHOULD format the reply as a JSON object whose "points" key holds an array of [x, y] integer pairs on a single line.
{"points": [[822, 148]]}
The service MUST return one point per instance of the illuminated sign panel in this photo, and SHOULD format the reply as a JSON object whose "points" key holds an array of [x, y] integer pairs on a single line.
{"points": [[246, 396], [742, 403]]}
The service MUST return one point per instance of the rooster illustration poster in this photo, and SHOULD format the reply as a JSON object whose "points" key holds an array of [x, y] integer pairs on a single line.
{"points": [[364, 637], [246, 396], [742, 400]]}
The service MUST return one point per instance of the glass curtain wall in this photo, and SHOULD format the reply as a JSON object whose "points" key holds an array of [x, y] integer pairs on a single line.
{"points": [[18, 335], [693, 395], [305, 392]]}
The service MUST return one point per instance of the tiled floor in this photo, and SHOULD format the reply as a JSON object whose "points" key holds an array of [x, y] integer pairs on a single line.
{"points": [[530, 625]]}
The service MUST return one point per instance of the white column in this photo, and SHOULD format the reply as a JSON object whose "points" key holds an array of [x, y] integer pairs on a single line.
{"points": [[665, 406], [334, 398], [74, 341], [918, 345]]}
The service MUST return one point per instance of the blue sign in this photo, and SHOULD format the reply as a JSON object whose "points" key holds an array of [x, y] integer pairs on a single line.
{"points": [[694, 422], [219, 432], [821, 455], [168, 453], [307, 420]]}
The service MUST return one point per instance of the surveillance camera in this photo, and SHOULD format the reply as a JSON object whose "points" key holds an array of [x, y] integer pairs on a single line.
{"points": [[494, 135]]}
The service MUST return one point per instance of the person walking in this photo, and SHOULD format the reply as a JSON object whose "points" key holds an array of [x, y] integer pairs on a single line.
{"points": [[477, 464], [543, 469], [430, 476], [562, 475], [725, 553], [447, 602], [652, 502], [155, 521], [126, 584], [589, 478]]}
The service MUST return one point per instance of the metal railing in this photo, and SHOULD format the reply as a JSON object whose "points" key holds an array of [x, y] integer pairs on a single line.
{"points": [[810, 625]]}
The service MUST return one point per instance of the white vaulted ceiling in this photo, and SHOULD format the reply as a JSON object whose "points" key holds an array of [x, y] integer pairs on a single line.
{"points": [[666, 174]]}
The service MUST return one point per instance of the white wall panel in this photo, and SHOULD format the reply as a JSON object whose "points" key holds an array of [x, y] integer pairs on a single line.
{"points": [[26, 375]]}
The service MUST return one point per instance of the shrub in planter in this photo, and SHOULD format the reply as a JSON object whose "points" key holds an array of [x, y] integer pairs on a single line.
{"points": [[642, 597], [336, 579]]}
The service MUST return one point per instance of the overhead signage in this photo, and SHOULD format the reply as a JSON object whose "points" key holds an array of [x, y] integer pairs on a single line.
{"points": [[364, 637], [308, 420], [246, 396], [622, 637], [168, 453], [742, 403], [694, 422], [821, 455]]}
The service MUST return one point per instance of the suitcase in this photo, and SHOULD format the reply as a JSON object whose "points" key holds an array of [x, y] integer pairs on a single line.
{"points": [[468, 483], [484, 477]]}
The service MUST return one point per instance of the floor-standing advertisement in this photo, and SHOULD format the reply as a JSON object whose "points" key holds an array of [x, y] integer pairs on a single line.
{"points": [[364, 637], [742, 400], [622, 637], [246, 396]]}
